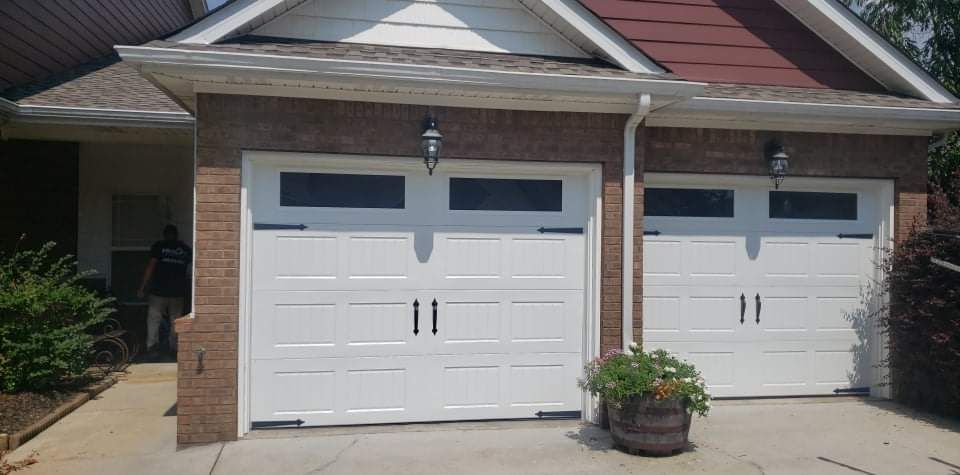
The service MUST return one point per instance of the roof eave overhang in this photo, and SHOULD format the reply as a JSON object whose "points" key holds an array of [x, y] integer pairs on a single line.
{"points": [[805, 117], [102, 117], [359, 71], [677, 103], [14, 113]]}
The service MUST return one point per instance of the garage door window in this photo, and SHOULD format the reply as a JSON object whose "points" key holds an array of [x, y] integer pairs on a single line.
{"points": [[688, 202], [340, 190], [810, 205], [497, 194]]}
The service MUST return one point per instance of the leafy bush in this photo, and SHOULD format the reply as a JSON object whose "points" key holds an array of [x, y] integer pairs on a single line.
{"points": [[924, 316], [616, 377], [45, 316]]}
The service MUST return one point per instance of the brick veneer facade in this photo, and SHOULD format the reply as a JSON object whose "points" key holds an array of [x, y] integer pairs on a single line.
{"points": [[226, 125]]}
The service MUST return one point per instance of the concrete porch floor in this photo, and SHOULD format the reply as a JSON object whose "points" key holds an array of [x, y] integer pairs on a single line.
{"points": [[130, 429]]}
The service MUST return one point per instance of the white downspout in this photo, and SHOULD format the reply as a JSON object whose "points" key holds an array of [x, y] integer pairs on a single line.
{"points": [[629, 169]]}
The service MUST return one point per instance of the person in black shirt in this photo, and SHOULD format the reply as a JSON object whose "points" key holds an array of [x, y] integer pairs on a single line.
{"points": [[165, 285]]}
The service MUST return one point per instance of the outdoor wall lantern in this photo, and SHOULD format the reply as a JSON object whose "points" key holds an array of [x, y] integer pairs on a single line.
{"points": [[777, 160], [430, 143]]}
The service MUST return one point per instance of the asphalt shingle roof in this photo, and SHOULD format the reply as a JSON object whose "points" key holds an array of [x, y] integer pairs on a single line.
{"points": [[820, 96], [420, 56], [106, 83]]}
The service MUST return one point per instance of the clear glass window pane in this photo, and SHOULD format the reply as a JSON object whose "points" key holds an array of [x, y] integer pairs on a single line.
{"points": [[339, 190], [690, 202], [496, 194], [811, 205]]}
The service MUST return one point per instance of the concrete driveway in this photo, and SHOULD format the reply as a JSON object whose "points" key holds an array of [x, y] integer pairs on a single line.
{"points": [[130, 429]]}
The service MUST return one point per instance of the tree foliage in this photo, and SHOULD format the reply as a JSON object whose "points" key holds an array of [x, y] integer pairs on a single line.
{"points": [[924, 315], [929, 32]]}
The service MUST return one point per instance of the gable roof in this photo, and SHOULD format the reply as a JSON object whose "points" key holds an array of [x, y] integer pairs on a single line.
{"points": [[798, 43], [862, 45], [732, 41], [568, 18]]}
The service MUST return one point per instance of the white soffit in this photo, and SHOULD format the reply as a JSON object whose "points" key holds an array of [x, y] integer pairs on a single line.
{"points": [[863, 46], [495, 26]]}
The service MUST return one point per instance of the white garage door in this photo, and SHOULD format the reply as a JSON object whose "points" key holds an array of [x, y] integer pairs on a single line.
{"points": [[767, 292], [407, 297]]}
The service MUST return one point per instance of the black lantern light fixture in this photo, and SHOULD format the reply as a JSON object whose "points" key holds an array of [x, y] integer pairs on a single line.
{"points": [[430, 143], [777, 161]]}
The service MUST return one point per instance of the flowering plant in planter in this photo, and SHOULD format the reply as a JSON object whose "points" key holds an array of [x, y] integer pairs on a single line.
{"points": [[617, 377], [650, 398]]}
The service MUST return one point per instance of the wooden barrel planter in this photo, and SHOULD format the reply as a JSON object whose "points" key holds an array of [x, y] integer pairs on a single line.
{"points": [[643, 425]]}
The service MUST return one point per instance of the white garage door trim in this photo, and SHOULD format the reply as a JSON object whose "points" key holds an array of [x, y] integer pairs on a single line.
{"points": [[592, 172], [883, 215]]}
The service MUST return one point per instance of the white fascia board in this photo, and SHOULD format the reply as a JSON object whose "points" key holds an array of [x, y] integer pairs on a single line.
{"points": [[225, 21], [813, 117], [101, 117], [893, 69], [616, 47], [347, 70]]}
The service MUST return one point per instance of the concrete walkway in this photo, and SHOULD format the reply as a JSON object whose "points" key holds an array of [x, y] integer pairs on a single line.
{"points": [[125, 431]]}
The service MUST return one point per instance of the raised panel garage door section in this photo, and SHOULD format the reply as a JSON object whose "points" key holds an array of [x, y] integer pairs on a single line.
{"points": [[422, 298], [769, 292]]}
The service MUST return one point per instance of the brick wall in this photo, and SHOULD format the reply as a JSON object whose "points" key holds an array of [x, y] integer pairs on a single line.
{"points": [[811, 154], [207, 399], [227, 125]]}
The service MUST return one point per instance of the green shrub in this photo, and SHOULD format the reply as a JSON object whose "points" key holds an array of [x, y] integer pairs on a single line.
{"points": [[616, 377], [45, 316]]}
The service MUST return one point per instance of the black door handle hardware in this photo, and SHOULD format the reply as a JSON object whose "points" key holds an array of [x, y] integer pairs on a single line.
{"points": [[743, 307], [434, 304], [260, 226], [416, 316], [854, 236], [758, 308], [651, 233], [542, 230]]}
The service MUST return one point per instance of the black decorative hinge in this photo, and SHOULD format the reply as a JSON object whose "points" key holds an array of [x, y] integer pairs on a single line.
{"points": [[260, 226], [543, 230], [558, 414], [651, 233], [269, 424], [855, 236], [851, 391]]}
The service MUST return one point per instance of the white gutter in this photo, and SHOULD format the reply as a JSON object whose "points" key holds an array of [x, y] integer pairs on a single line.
{"points": [[30, 114], [103, 117], [233, 63], [805, 115], [629, 170]]}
